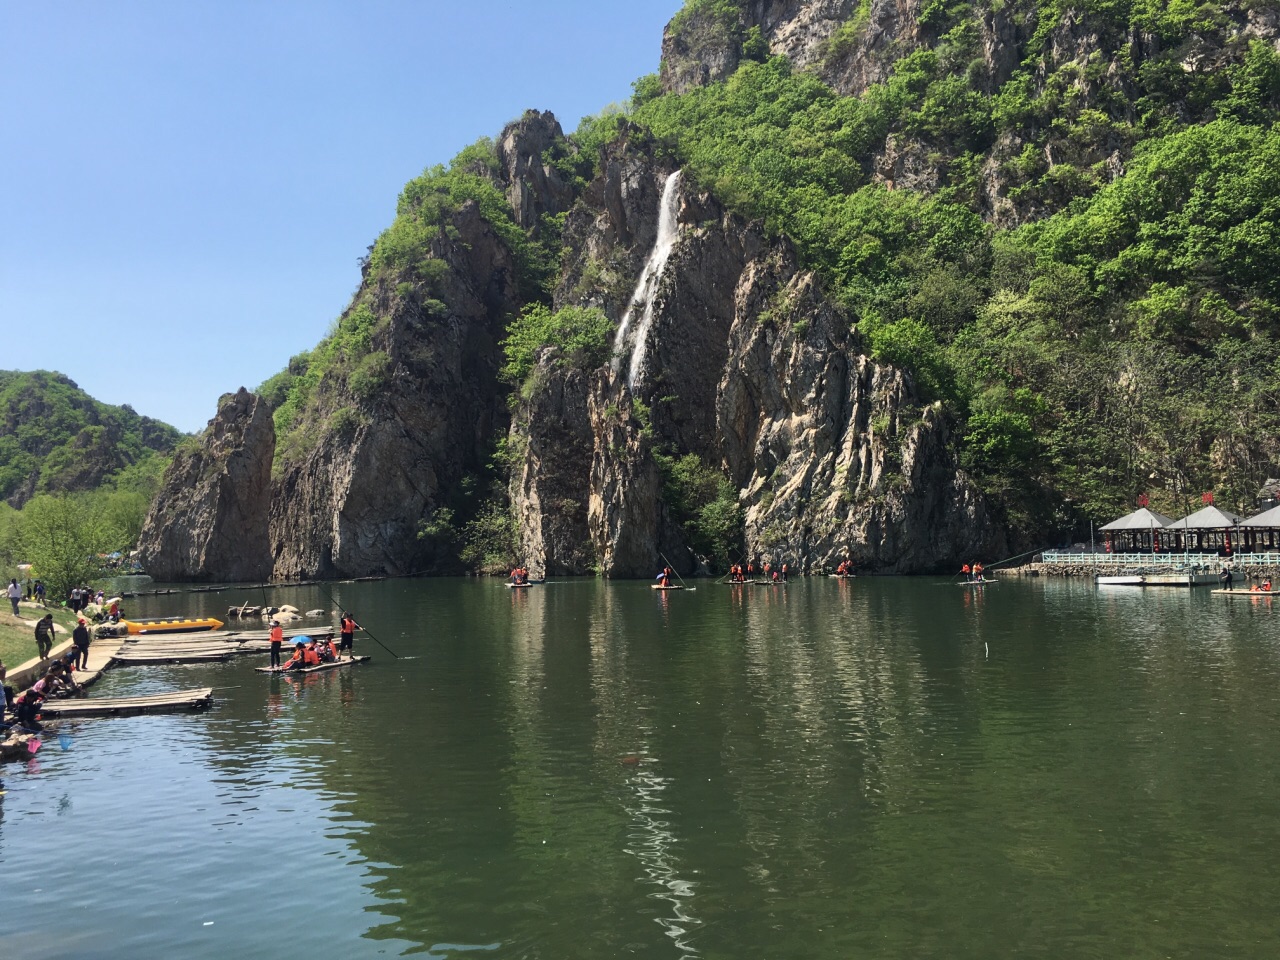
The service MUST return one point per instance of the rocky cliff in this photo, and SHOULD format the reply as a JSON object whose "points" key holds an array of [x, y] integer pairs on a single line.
{"points": [[210, 520], [749, 368], [741, 401]]}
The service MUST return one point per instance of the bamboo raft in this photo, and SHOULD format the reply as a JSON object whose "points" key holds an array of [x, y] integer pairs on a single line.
{"points": [[1247, 593], [333, 664], [199, 699], [210, 647]]}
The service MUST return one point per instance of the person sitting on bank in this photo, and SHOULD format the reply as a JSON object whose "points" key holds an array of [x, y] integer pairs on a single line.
{"points": [[59, 682], [27, 705]]}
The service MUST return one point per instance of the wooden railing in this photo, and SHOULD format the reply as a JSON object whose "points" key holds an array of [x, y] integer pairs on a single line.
{"points": [[1172, 561]]}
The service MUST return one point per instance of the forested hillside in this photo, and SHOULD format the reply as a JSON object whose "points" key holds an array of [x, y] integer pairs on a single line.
{"points": [[943, 277], [55, 438], [1072, 240]]}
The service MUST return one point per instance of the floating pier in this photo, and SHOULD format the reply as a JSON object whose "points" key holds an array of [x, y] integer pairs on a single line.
{"points": [[200, 699]]}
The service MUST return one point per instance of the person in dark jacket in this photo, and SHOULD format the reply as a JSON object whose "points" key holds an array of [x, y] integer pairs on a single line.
{"points": [[44, 636], [80, 637]]}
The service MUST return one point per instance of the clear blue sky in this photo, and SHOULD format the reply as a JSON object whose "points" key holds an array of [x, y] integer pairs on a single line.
{"points": [[185, 187]]}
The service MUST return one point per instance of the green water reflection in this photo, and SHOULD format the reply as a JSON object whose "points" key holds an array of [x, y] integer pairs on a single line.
{"points": [[875, 768]]}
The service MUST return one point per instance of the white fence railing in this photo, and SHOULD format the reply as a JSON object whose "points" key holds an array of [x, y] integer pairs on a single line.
{"points": [[1172, 561]]}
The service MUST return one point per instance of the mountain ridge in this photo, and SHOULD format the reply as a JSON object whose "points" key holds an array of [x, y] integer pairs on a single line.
{"points": [[906, 326]]}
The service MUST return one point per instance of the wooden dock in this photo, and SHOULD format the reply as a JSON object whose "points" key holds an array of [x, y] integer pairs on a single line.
{"points": [[200, 699], [154, 649]]}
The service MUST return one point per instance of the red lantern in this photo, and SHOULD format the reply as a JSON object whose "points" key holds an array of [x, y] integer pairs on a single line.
{"points": [[1206, 497], [1143, 500]]}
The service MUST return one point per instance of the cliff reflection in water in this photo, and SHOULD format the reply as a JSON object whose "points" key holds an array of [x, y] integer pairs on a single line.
{"points": [[884, 767]]}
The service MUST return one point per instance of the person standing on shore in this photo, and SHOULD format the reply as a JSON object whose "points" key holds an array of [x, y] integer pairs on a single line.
{"points": [[15, 594], [80, 637], [44, 636], [347, 635]]}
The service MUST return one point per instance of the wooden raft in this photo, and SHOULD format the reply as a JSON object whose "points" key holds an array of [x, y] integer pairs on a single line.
{"points": [[126, 706], [1247, 593]]}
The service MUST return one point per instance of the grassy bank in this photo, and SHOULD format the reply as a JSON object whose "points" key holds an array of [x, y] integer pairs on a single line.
{"points": [[18, 639]]}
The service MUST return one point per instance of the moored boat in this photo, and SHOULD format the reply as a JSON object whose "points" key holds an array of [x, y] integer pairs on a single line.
{"points": [[172, 625], [1120, 580]]}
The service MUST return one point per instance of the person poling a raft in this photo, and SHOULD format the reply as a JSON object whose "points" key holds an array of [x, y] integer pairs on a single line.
{"points": [[346, 635], [664, 578], [277, 638]]}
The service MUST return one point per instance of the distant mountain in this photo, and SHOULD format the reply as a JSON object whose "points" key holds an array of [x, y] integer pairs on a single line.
{"points": [[54, 437]]}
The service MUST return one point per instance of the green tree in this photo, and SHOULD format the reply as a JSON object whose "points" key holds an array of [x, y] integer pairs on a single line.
{"points": [[62, 540]]}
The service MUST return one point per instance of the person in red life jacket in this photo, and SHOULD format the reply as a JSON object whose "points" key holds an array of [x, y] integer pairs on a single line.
{"points": [[277, 638], [1266, 585], [784, 573], [331, 651], [303, 656], [766, 569], [967, 571], [346, 639], [977, 572], [751, 569]]}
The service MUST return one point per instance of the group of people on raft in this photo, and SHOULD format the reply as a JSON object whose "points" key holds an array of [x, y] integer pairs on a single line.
{"points": [[311, 652], [740, 574], [520, 576], [972, 572]]}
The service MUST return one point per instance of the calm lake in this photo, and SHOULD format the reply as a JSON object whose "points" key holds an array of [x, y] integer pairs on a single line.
{"points": [[879, 768]]}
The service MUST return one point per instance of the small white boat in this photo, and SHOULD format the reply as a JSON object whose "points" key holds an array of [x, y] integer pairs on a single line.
{"points": [[1120, 580]]}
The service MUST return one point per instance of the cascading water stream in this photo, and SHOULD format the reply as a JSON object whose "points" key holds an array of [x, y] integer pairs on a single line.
{"points": [[647, 287]]}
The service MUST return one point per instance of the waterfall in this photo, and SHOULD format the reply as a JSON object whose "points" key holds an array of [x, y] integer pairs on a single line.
{"points": [[647, 287]]}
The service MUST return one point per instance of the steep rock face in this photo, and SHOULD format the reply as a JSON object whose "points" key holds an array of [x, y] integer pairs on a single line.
{"points": [[353, 503], [835, 456], [534, 187], [548, 489], [750, 369], [210, 520], [630, 526]]}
